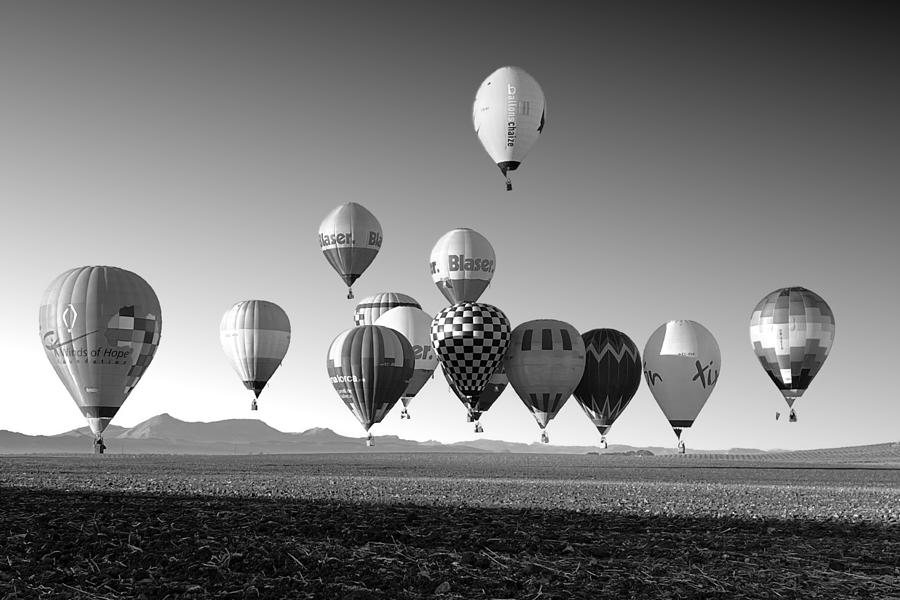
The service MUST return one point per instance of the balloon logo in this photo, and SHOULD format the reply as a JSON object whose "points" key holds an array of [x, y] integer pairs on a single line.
{"points": [[350, 237], [462, 265], [792, 331], [508, 115], [370, 367], [681, 366], [255, 336], [100, 327], [414, 324]]}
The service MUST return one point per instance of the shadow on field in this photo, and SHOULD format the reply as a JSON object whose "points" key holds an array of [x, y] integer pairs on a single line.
{"points": [[114, 545]]}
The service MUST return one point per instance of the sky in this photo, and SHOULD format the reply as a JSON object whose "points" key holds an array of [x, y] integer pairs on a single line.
{"points": [[696, 157]]}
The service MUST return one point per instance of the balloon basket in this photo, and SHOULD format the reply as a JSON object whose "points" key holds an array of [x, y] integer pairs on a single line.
{"points": [[793, 417], [478, 427], [253, 405], [545, 439]]}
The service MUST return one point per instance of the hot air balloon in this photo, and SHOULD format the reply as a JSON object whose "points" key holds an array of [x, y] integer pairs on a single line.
{"points": [[415, 325], [792, 330], [612, 374], [350, 237], [100, 328], [508, 115], [369, 309], [681, 366], [255, 336], [370, 367], [495, 386], [470, 340], [462, 265], [544, 363]]}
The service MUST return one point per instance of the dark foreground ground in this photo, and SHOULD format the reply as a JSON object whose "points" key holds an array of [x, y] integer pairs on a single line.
{"points": [[445, 526]]}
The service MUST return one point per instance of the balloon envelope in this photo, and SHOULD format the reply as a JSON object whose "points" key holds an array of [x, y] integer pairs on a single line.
{"points": [[100, 327], [370, 367], [470, 340], [414, 324], [350, 237], [681, 366], [792, 330], [369, 309], [462, 265], [255, 335], [544, 363], [491, 392], [612, 374], [508, 115]]}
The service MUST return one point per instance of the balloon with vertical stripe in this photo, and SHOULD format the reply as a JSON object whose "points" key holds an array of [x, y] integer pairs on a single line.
{"points": [[369, 309], [612, 375], [100, 328], [544, 363], [792, 330], [255, 335], [350, 237], [681, 366], [370, 367]]}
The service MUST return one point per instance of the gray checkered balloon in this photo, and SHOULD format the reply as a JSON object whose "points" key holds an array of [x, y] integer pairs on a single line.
{"points": [[470, 340]]}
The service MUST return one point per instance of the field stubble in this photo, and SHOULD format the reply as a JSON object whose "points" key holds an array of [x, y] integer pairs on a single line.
{"points": [[451, 526]]}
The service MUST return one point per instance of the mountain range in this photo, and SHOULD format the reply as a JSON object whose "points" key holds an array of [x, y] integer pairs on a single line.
{"points": [[164, 434]]}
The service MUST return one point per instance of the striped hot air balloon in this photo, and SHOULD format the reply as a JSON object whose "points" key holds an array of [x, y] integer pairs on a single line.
{"points": [[370, 367], [370, 308], [100, 327], [792, 330], [350, 237], [415, 325], [492, 391], [681, 365], [462, 265], [470, 340], [509, 115], [612, 375], [255, 335], [544, 363]]}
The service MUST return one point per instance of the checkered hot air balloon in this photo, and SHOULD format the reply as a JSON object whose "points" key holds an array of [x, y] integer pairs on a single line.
{"points": [[492, 391], [255, 335], [470, 340], [350, 237], [414, 324], [792, 330], [100, 327], [370, 367], [544, 363], [612, 375], [509, 115], [369, 309], [681, 365]]}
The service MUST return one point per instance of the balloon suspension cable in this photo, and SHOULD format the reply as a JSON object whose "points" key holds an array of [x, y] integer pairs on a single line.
{"points": [[370, 441], [544, 437]]}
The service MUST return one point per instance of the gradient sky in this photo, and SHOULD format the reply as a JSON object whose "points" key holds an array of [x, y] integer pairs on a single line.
{"points": [[696, 157]]}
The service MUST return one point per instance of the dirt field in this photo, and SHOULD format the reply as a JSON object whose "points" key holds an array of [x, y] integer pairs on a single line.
{"points": [[445, 526]]}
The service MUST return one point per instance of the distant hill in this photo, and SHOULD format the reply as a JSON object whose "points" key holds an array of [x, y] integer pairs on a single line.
{"points": [[164, 434]]}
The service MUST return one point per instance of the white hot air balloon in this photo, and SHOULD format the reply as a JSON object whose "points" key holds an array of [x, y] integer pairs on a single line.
{"points": [[255, 336], [509, 114], [415, 325], [462, 265], [681, 365]]}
